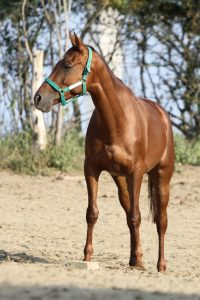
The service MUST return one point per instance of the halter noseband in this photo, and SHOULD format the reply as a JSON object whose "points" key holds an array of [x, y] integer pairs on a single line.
{"points": [[82, 82]]}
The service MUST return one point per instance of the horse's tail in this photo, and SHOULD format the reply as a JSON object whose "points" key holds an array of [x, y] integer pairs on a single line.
{"points": [[152, 200]]}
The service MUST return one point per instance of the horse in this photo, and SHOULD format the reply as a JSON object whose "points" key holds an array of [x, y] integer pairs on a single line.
{"points": [[127, 136]]}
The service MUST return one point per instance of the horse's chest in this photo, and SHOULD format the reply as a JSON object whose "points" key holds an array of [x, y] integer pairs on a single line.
{"points": [[114, 153], [115, 159]]}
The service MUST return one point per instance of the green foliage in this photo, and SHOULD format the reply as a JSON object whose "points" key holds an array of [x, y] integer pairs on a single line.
{"points": [[151, 12], [121, 5], [19, 154], [8, 7], [187, 152]]}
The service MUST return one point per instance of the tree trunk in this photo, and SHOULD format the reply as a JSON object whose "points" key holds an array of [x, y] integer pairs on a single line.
{"points": [[59, 123], [59, 120], [38, 120], [76, 108]]}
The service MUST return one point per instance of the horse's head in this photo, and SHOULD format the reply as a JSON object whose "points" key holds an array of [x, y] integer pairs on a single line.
{"points": [[68, 79]]}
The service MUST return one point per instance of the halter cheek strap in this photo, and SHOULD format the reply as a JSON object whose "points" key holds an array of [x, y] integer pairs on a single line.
{"points": [[82, 82]]}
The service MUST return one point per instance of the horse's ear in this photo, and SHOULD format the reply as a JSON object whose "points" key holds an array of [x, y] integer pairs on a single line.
{"points": [[72, 39], [76, 41], [79, 43]]}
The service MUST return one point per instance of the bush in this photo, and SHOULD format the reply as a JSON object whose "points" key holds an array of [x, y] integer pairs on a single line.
{"points": [[19, 154], [187, 152]]}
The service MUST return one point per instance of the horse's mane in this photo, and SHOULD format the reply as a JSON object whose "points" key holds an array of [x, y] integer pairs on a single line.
{"points": [[106, 64], [76, 48], [91, 47]]}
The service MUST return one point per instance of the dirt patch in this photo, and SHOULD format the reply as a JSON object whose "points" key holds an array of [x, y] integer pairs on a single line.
{"points": [[42, 226]]}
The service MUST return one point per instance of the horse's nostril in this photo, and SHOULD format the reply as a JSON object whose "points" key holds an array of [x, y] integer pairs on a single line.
{"points": [[37, 99]]}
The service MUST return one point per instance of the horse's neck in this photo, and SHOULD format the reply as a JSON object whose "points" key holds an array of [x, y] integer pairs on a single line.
{"points": [[105, 92]]}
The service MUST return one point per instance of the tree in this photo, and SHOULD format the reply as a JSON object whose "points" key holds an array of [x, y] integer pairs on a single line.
{"points": [[167, 37], [16, 58], [163, 40]]}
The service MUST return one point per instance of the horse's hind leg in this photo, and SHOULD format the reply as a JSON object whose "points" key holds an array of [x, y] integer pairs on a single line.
{"points": [[159, 187], [133, 217], [91, 177]]}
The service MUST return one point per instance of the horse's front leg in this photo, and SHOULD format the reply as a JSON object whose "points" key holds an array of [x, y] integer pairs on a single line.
{"points": [[91, 177], [134, 219]]}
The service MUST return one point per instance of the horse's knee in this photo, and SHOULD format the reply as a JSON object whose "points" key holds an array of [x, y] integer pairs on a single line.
{"points": [[92, 214], [134, 220]]}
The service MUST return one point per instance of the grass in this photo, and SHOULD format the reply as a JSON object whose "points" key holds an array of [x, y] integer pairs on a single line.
{"points": [[19, 154]]}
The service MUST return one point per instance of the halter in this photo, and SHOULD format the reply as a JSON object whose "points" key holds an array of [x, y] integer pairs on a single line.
{"points": [[82, 82]]}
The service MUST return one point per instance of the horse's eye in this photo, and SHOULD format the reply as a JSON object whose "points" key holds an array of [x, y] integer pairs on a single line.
{"points": [[67, 67]]}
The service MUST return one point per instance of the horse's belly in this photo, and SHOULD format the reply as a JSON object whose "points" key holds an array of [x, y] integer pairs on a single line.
{"points": [[156, 149]]}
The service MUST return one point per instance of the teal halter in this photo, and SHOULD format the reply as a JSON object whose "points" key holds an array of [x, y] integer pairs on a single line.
{"points": [[82, 82]]}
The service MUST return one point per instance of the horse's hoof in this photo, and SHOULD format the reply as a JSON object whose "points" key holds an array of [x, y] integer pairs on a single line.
{"points": [[136, 265], [87, 259], [139, 268], [161, 267]]}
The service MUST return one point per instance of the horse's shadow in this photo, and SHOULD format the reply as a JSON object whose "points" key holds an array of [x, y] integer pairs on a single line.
{"points": [[21, 257]]}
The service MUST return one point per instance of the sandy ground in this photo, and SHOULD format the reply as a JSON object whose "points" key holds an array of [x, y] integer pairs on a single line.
{"points": [[42, 226]]}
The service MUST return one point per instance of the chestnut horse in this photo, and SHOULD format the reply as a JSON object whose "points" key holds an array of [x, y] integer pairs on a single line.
{"points": [[127, 137]]}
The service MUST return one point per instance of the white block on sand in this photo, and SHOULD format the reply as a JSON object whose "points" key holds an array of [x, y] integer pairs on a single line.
{"points": [[82, 265]]}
